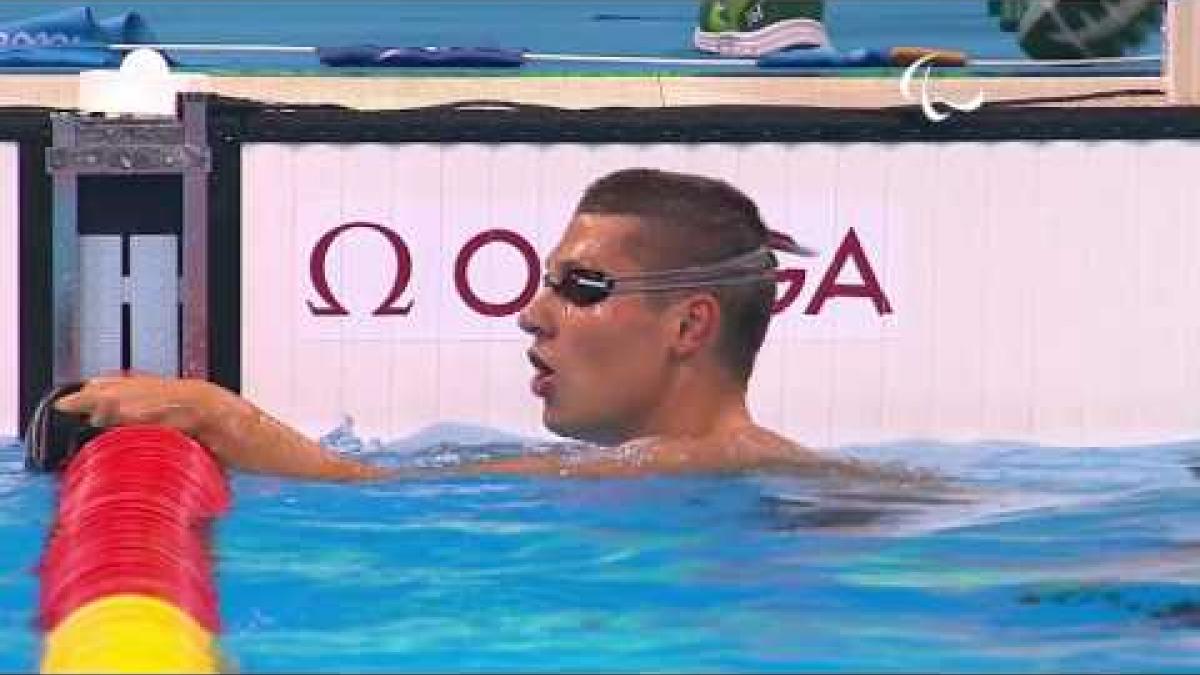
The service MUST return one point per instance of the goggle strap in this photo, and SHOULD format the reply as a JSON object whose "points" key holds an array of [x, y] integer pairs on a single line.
{"points": [[760, 258], [641, 286]]}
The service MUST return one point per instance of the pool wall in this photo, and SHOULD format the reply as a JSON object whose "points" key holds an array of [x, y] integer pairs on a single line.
{"points": [[1015, 273], [25, 217], [10, 282], [1036, 291]]}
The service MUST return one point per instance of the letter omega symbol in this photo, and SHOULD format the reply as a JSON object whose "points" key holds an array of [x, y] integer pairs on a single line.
{"points": [[320, 281]]}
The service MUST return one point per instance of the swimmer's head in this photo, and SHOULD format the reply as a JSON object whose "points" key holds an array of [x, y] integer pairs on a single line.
{"points": [[662, 283], [686, 221]]}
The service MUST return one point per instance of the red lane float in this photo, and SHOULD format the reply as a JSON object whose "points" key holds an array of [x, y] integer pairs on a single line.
{"points": [[126, 575]]}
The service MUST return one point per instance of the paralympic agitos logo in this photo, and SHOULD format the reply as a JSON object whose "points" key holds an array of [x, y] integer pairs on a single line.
{"points": [[928, 105], [398, 301]]}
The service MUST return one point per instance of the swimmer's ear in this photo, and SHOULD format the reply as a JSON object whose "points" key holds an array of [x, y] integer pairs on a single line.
{"points": [[696, 323]]}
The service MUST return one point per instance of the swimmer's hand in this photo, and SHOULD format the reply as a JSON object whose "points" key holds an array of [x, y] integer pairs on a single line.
{"points": [[237, 432], [120, 400]]}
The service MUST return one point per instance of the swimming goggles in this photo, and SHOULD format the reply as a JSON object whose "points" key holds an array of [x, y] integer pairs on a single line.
{"points": [[584, 287]]}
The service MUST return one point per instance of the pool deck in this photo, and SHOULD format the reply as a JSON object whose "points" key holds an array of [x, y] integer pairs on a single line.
{"points": [[61, 91]]}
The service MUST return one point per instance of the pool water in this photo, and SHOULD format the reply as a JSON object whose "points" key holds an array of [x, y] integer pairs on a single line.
{"points": [[1039, 559]]}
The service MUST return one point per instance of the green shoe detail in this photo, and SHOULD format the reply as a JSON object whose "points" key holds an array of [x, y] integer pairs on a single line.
{"points": [[721, 16], [752, 28]]}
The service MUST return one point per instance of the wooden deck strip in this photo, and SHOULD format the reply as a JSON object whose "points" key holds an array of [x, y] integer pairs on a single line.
{"points": [[367, 93]]}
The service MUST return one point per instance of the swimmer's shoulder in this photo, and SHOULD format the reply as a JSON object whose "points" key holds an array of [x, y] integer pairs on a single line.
{"points": [[774, 452], [748, 449]]}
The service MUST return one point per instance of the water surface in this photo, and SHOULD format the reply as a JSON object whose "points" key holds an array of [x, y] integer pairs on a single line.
{"points": [[1063, 559]]}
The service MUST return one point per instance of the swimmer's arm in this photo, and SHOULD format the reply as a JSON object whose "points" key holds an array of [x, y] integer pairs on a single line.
{"points": [[528, 465], [596, 465], [518, 465], [241, 435], [248, 439], [550, 466]]}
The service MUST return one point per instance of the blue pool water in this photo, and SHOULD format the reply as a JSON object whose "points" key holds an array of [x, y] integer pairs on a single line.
{"points": [[1040, 559], [646, 27]]}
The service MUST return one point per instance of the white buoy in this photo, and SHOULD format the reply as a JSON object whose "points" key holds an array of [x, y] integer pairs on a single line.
{"points": [[143, 85], [145, 64]]}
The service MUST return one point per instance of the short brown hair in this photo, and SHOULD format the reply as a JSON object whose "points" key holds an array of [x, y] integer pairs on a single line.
{"points": [[695, 220]]}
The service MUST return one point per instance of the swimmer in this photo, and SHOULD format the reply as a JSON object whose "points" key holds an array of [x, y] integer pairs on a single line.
{"points": [[654, 305]]}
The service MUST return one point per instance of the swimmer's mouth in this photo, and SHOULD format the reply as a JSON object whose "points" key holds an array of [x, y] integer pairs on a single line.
{"points": [[543, 377]]}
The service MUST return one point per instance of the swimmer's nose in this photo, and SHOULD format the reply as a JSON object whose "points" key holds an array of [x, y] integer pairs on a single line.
{"points": [[535, 319]]}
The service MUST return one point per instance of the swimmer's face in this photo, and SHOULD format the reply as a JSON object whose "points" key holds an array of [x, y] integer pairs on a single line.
{"points": [[601, 369]]}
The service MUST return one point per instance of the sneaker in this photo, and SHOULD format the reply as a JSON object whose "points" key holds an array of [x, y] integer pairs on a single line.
{"points": [[753, 28]]}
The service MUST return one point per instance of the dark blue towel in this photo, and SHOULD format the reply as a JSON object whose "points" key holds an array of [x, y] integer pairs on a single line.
{"points": [[71, 38], [467, 57]]}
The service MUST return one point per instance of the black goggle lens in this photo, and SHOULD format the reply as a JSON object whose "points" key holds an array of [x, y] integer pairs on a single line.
{"points": [[580, 287]]}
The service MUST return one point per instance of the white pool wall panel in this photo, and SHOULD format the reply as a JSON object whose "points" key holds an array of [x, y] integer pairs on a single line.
{"points": [[1041, 291]]}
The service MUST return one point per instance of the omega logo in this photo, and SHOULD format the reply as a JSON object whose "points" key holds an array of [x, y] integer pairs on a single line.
{"points": [[849, 252], [316, 272]]}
